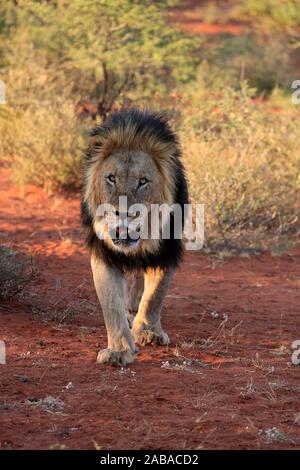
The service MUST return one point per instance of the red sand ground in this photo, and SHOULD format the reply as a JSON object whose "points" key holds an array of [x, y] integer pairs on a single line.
{"points": [[244, 383]]}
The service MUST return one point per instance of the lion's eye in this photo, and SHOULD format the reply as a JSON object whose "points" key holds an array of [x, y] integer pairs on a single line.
{"points": [[143, 181], [111, 179]]}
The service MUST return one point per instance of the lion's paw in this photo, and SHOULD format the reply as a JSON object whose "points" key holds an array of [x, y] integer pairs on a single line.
{"points": [[115, 358], [148, 335]]}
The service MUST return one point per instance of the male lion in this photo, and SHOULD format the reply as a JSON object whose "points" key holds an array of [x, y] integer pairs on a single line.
{"points": [[133, 154]]}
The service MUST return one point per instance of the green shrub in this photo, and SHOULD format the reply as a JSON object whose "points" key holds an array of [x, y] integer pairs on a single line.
{"points": [[111, 50]]}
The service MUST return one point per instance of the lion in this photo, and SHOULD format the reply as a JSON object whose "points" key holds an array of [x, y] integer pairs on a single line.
{"points": [[135, 154]]}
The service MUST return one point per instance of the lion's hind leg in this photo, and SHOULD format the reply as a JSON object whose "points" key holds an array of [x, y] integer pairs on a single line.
{"points": [[135, 284]]}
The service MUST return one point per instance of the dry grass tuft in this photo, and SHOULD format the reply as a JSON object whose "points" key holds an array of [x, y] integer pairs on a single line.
{"points": [[16, 272]]}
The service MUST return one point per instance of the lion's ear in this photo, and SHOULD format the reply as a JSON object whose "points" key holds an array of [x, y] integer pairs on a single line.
{"points": [[95, 145]]}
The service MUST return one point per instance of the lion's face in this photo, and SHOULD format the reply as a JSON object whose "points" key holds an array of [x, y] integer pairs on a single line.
{"points": [[134, 154], [135, 175]]}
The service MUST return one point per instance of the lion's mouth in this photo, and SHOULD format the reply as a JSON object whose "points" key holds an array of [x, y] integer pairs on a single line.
{"points": [[126, 245], [123, 241], [128, 242]]}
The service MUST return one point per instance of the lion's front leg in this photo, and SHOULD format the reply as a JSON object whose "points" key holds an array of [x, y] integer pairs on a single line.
{"points": [[146, 326], [111, 291]]}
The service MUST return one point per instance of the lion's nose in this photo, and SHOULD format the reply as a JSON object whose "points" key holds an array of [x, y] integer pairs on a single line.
{"points": [[122, 232]]}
